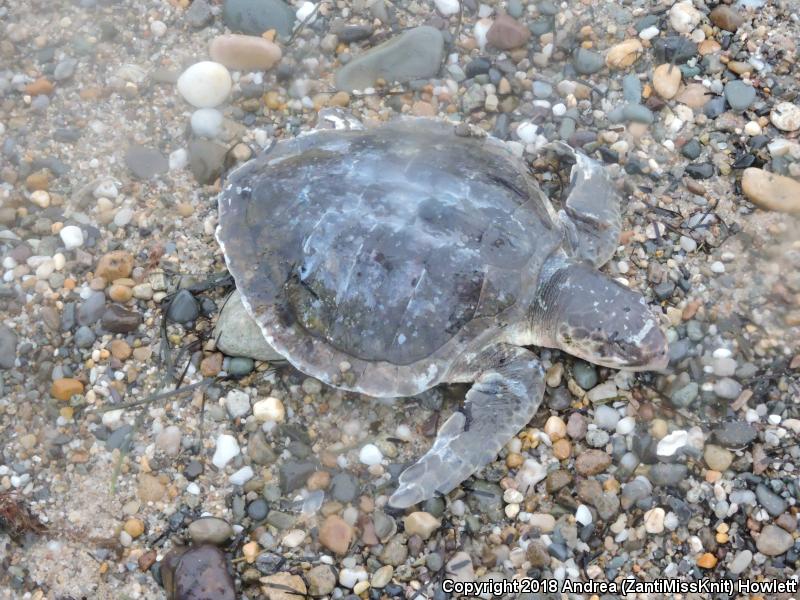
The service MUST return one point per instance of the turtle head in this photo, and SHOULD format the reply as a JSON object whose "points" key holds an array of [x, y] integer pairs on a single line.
{"points": [[594, 317]]}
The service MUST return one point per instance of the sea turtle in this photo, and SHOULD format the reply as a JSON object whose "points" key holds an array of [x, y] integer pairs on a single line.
{"points": [[386, 261]]}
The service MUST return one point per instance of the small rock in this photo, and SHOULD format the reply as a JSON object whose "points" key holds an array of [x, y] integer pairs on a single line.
{"points": [[150, 488], [119, 320], [335, 534], [63, 389], [114, 265], [255, 17], [183, 308], [205, 84], [506, 33], [321, 580], [8, 347], [587, 61], [772, 503], [244, 52], [670, 444], [624, 54], [717, 457], [770, 191], [197, 573], [654, 520], [72, 236], [237, 334], [592, 462], [740, 562], [422, 524], [146, 163], [210, 530], [774, 541], [739, 95], [666, 80], [237, 403], [370, 455], [199, 14], [283, 586], [786, 116], [226, 450], [206, 159], [415, 54], [269, 409], [726, 18], [207, 122]]}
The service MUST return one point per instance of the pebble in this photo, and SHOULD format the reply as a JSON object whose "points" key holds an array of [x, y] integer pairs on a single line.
{"points": [[370, 455], [238, 335], [269, 409], [740, 562], [727, 388], [282, 586], [145, 163], [717, 457], [786, 116], [207, 122], [667, 474], [242, 476], [183, 308], [771, 191], [448, 7], [592, 462], [226, 450], [244, 52], [64, 388], [587, 61], [683, 16], [335, 534], [254, 17], [237, 403], [739, 95], [414, 54], [585, 375], [195, 573], [168, 440], [624, 54], [666, 80], [119, 320], [654, 520], [670, 444], [421, 523], [726, 18], [205, 84], [774, 541], [772, 503], [8, 347], [321, 580], [210, 530], [506, 33]]}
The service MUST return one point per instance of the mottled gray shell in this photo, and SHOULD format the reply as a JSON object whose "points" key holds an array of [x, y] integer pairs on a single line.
{"points": [[393, 250]]}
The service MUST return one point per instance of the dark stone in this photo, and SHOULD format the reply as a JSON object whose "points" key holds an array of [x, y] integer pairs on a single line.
{"points": [[353, 33], [183, 308], [477, 66], [206, 160], [193, 470], [674, 49], [254, 17], [197, 573], [344, 487], [700, 170], [119, 320], [294, 473], [691, 149], [258, 509], [735, 434]]}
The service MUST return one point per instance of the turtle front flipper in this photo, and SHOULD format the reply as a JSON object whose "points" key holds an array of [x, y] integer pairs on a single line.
{"points": [[506, 394], [591, 214]]}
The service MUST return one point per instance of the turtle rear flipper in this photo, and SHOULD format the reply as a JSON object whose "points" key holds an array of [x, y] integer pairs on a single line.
{"points": [[503, 399], [592, 213]]}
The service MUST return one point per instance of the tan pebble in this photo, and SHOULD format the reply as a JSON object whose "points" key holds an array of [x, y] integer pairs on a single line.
{"points": [[423, 109], [114, 265], [38, 180], [150, 488], [555, 428], [211, 365], [624, 54], [562, 449], [770, 191], [64, 388], [244, 52], [514, 460], [120, 293], [250, 552], [658, 427], [40, 87], [143, 353], [694, 95], [120, 349], [40, 198], [335, 534], [666, 80], [422, 524], [185, 209], [318, 480], [340, 99], [708, 46], [143, 291], [134, 527], [707, 561]]}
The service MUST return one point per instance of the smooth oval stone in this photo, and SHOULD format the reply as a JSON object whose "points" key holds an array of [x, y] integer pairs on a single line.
{"points": [[587, 62], [770, 191], [197, 574], [119, 320], [210, 530], [237, 334], [254, 17], [416, 54], [206, 122], [205, 84], [507, 33], [244, 52], [739, 95]]}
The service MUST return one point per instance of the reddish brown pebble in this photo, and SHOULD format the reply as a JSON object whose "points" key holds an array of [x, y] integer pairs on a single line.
{"points": [[39, 87], [506, 33], [114, 265], [335, 534], [244, 52]]}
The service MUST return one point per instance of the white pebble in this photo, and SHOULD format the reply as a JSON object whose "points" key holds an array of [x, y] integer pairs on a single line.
{"points": [[648, 33], [370, 455], [559, 109], [106, 189], [447, 7], [752, 128], [206, 122], [688, 244], [242, 476], [269, 409], [670, 444], [178, 159], [123, 216], [513, 496], [306, 8], [626, 425], [717, 267], [350, 577], [237, 404], [158, 28], [403, 432], [205, 84], [72, 236], [40, 198], [480, 30], [527, 132], [583, 515], [227, 449], [293, 538]]}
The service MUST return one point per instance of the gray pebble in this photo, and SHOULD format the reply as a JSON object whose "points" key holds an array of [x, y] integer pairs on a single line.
{"points": [[587, 61], [684, 396], [183, 308], [8, 347], [585, 374], [668, 474], [84, 337], [772, 503]]}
